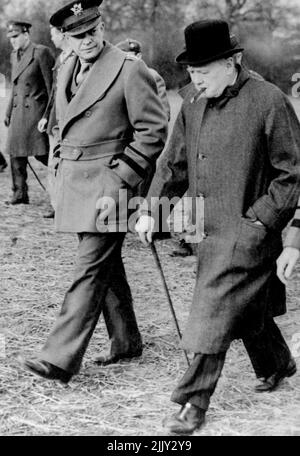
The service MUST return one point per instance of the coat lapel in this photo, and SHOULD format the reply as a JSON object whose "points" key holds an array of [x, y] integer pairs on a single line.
{"points": [[101, 76], [27, 58], [198, 110]]}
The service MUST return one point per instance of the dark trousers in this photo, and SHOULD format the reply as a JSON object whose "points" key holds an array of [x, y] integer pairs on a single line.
{"points": [[99, 278], [268, 353], [19, 175], [2, 160]]}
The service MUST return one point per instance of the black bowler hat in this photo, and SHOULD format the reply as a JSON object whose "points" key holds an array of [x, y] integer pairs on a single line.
{"points": [[207, 41], [16, 27], [77, 17], [130, 45]]}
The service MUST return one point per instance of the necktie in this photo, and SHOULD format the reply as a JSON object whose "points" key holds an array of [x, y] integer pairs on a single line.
{"points": [[19, 54], [85, 67]]}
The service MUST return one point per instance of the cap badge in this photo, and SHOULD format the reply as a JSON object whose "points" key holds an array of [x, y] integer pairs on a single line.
{"points": [[77, 9]]}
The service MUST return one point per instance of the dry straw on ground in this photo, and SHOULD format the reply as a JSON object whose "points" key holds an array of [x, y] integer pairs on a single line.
{"points": [[125, 399]]}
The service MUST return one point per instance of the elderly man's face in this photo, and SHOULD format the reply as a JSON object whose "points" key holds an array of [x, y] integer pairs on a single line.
{"points": [[213, 78], [88, 45], [20, 41]]}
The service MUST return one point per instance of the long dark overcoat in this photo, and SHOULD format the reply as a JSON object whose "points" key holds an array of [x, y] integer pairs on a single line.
{"points": [[111, 133], [31, 87], [240, 156]]}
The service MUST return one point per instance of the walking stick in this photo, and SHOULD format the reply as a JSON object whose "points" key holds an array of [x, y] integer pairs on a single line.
{"points": [[36, 176], [160, 269]]}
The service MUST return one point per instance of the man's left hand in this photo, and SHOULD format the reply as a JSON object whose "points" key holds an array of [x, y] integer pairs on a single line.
{"points": [[286, 263]]}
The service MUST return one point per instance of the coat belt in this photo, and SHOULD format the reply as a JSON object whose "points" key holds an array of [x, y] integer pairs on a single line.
{"points": [[93, 151]]}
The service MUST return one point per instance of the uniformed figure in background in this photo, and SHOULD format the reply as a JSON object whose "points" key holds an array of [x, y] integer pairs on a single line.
{"points": [[134, 48], [31, 86], [49, 121], [112, 128]]}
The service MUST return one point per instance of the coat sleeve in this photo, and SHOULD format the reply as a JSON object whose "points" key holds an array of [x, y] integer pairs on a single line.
{"points": [[46, 62], [282, 135], [171, 178], [50, 104], [149, 123], [10, 101]]}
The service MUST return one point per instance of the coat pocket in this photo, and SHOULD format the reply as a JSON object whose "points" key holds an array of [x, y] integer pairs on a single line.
{"points": [[257, 241]]}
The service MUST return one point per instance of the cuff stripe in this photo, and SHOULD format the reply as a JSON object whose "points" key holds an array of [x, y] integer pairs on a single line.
{"points": [[137, 152], [137, 168]]}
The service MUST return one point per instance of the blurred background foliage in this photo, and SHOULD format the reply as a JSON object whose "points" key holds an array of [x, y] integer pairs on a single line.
{"points": [[269, 31]]}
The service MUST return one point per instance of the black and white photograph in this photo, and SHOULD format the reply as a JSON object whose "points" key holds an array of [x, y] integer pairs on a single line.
{"points": [[149, 221]]}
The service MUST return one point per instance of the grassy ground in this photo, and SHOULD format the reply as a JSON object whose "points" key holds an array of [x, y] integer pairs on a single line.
{"points": [[125, 399]]}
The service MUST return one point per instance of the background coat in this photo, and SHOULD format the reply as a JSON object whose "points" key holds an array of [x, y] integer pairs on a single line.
{"points": [[111, 133], [31, 87], [240, 157]]}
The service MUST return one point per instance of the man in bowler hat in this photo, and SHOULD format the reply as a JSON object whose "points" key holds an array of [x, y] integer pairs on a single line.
{"points": [[235, 148], [112, 128], [31, 86]]}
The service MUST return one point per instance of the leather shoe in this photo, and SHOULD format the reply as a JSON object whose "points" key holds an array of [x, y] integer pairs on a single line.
{"points": [[15, 201], [272, 382], [46, 370], [49, 215], [107, 358], [186, 421], [184, 249]]}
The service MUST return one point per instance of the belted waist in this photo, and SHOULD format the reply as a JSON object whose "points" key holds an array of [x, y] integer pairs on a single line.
{"points": [[93, 151]]}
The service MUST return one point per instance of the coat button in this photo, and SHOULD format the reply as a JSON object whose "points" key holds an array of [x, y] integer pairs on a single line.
{"points": [[204, 235], [200, 195], [202, 157], [88, 113]]}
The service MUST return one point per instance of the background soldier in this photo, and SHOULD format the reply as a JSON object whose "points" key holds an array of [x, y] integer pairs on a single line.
{"points": [[31, 86], [112, 129], [3, 163], [49, 121], [134, 47]]}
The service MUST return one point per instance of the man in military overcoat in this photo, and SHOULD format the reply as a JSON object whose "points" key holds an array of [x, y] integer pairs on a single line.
{"points": [[236, 148], [31, 86], [112, 128]]}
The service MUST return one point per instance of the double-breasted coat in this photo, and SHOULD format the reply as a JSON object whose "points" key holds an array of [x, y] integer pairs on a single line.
{"points": [[111, 133], [240, 157], [31, 87]]}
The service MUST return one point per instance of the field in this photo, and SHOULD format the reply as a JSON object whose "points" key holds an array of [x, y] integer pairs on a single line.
{"points": [[128, 399]]}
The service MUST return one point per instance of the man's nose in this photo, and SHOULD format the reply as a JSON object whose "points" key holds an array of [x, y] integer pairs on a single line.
{"points": [[87, 38]]}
